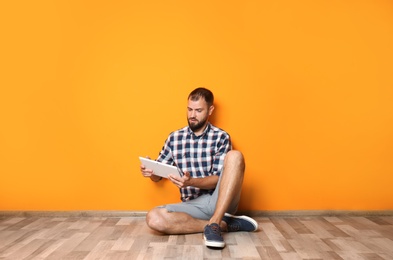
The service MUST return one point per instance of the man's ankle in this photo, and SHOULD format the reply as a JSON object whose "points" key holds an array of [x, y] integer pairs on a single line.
{"points": [[223, 226]]}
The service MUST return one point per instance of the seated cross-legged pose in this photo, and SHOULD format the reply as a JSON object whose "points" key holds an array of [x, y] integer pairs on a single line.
{"points": [[212, 178]]}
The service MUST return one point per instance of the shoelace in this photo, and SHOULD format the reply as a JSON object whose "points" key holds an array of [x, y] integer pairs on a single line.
{"points": [[216, 229], [233, 225]]}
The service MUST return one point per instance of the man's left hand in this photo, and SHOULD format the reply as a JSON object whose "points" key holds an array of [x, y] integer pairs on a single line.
{"points": [[180, 182]]}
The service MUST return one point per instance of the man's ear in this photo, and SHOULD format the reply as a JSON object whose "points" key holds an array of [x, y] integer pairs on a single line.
{"points": [[211, 108]]}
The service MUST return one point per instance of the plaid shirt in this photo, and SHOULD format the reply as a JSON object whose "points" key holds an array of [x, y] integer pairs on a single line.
{"points": [[201, 156]]}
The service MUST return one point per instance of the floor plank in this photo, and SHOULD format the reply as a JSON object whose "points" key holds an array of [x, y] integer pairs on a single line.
{"points": [[313, 237]]}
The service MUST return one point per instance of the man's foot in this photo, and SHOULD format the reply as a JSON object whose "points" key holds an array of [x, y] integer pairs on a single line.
{"points": [[213, 237], [239, 223]]}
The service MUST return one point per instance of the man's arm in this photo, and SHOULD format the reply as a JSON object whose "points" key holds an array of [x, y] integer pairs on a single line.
{"points": [[206, 183], [149, 173]]}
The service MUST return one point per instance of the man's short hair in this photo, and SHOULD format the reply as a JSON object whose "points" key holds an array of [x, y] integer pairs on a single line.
{"points": [[204, 93]]}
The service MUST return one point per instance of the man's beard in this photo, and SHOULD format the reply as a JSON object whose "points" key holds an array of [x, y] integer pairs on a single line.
{"points": [[196, 126]]}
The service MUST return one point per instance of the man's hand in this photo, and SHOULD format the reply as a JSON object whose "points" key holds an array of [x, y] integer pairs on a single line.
{"points": [[146, 172], [149, 173], [181, 182]]}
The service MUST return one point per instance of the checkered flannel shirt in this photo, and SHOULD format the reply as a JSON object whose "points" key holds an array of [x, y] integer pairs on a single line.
{"points": [[201, 156]]}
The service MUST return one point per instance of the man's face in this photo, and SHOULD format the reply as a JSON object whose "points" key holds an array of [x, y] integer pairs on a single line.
{"points": [[198, 114]]}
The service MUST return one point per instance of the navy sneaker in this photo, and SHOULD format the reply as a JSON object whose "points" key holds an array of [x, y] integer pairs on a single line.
{"points": [[240, 223], [213, 237]]}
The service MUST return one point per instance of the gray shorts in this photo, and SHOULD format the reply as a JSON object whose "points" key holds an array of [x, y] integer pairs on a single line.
{"points": [[204, 206]]}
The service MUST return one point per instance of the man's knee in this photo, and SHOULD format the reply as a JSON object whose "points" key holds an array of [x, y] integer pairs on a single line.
{"points": [[155, 219], [235, 157]]}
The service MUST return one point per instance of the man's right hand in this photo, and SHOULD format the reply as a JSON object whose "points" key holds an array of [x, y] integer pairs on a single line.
{"points": [[149, 173]]}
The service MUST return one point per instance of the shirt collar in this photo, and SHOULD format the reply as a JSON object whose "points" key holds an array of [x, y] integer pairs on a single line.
{"points": [[207, 129]]}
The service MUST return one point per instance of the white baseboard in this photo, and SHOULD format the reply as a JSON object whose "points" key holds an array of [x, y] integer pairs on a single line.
{"points": [[301, 213], [74, 213], [252, 213]]}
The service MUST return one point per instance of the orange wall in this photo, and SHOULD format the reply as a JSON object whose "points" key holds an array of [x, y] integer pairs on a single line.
{"points": [[305, 88]]}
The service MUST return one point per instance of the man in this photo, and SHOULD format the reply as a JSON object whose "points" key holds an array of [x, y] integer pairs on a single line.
{"points": [[211, 182]]}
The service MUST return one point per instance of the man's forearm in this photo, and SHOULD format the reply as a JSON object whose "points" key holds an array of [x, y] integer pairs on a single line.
{"points": [[206, 183]]}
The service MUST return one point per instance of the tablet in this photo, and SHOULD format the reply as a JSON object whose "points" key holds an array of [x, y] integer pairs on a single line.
{"points": [[159, 168]]}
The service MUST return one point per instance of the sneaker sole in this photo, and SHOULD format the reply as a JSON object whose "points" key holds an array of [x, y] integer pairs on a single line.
{"points": [[252, 221], [215, 244]]}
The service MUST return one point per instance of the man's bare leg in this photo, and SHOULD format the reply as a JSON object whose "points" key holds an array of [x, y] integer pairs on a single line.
{"points": [[230, 185], [161, 220]]}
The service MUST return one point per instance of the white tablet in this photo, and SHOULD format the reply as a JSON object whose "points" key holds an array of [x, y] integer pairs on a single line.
{"points": [[159, 169]]}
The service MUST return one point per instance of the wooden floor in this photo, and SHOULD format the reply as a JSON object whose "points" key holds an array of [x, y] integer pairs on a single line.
{"points": [[316, 237]]}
